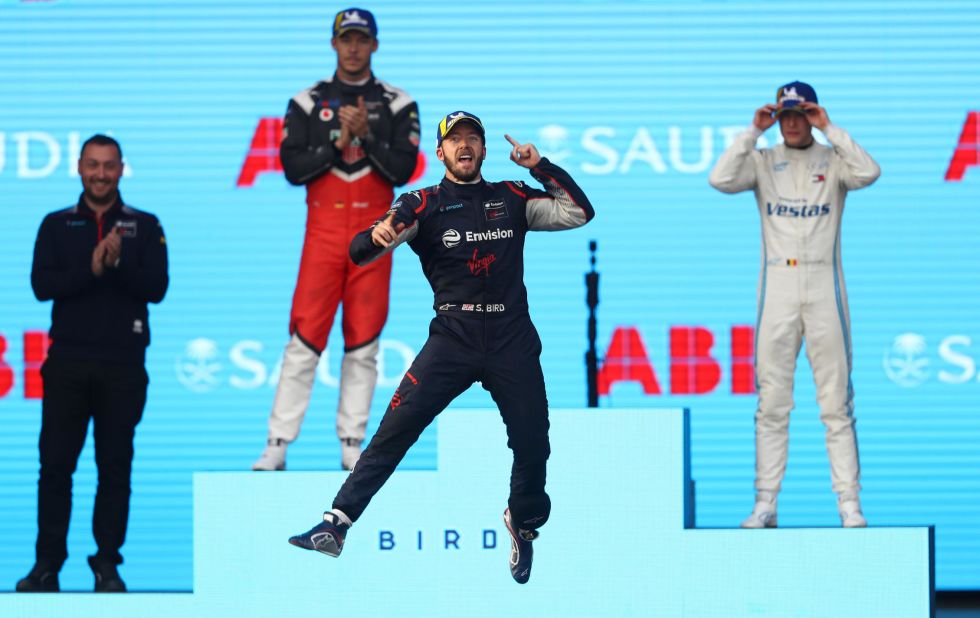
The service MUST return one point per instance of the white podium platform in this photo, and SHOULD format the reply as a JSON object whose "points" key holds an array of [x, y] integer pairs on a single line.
{"points": [[432, 543]]}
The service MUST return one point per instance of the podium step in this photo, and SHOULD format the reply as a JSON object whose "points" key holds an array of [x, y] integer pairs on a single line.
{"points": [[432, 543]]}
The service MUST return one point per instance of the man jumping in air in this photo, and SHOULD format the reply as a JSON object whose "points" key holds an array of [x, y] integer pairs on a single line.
{"points": [[469, 236]]}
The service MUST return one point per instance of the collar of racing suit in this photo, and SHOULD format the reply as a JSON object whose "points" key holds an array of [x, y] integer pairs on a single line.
{"points": [[353, 86], [812, 142], [464, 190]]}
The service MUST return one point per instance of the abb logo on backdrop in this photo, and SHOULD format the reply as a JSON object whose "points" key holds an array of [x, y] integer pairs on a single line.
{"points": [[967, 151], [693, 370], [263, 154], [35, 351]]}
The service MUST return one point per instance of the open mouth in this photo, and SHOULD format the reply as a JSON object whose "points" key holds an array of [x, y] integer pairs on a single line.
{"points": [[466, 157]]}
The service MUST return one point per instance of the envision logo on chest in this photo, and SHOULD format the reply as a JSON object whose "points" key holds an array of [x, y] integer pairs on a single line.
{"points": [[497, 234], [450, 238]]}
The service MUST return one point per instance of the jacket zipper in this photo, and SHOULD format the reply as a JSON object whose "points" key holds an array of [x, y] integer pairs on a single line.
{"points": [[476, 220]]}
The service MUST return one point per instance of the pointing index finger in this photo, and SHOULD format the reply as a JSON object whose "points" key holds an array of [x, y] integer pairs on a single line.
{"points": [[513, 142]]}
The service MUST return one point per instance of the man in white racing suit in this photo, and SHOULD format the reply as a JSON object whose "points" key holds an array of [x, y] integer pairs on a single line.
{"points": [[800, 187]]}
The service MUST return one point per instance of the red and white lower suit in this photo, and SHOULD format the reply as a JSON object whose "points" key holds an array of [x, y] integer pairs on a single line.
{"points": [[327, 278], [346, 191]]}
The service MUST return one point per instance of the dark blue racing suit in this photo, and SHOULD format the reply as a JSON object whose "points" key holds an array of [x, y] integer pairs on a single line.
{"points": [[470, 241]]}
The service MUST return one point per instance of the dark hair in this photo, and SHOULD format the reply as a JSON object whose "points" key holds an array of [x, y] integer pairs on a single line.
{"points": [[101, 140]]}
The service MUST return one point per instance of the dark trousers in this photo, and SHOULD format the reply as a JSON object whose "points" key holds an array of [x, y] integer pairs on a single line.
{"points": [[504, 354], [113, 396]]}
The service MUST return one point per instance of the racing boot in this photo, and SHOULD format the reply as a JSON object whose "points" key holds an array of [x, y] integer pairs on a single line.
{"points": [[849, 507], [327, 537], [350, 452], [521, 552], [273, 457], [764, 513]]}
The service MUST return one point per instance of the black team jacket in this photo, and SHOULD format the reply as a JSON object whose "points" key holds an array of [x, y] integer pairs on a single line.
{"points": [[99, 318]]}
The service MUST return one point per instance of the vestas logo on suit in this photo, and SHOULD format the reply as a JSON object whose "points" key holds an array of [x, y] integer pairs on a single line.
{"points": [[784, 210]]}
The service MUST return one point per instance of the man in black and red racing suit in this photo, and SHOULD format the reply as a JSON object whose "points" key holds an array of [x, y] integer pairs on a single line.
{"points": [[350, 139], [469, 236]]}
